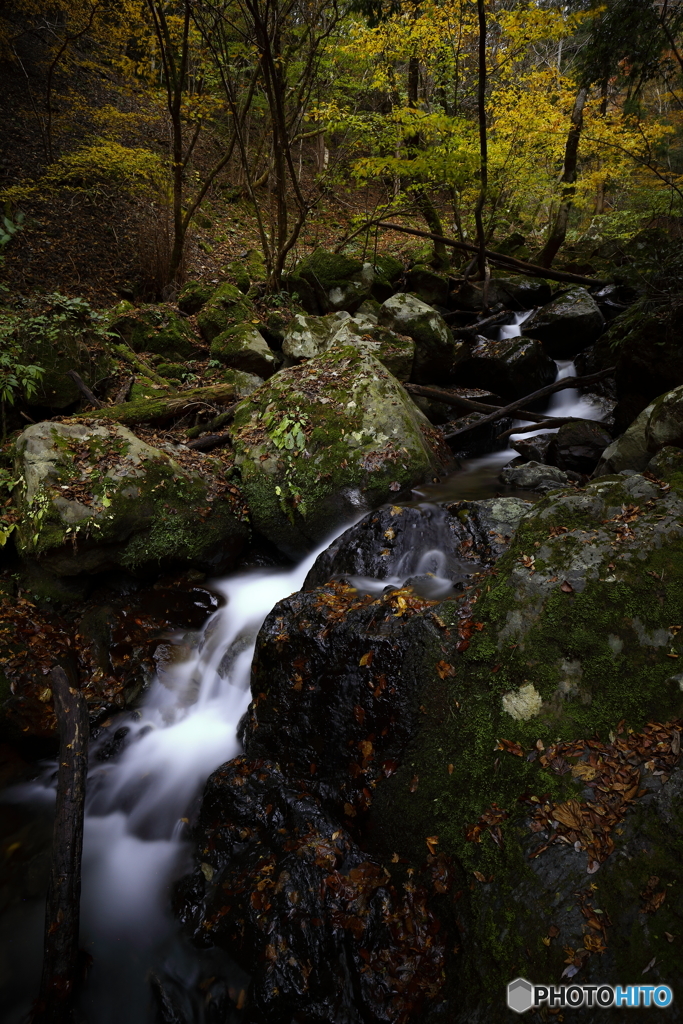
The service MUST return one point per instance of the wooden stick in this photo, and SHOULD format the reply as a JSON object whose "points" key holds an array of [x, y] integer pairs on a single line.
{"points": [[84, 389], [464, 403], [124, 391], [529, 269], [463, 332], [60, 958], [559, 385]]}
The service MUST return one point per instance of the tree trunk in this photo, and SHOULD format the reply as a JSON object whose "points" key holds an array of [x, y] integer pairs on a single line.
{"points": [[483, 148], [59, 980], [559, 229]]}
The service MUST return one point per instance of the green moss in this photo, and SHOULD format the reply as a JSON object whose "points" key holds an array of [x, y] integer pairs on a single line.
{"points": [[228, 307], [193, 296], [156, 329], [172, 371]]}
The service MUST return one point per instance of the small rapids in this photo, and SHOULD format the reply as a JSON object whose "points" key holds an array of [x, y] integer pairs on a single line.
{"points": [[138, 802]]}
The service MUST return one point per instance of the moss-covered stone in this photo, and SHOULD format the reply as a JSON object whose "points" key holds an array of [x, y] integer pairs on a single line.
{"points": [[156, 329], [244, 348], [316, 275], [96, 497], [172, 371], [322, 441], [193, 296], [575, 631], [227, 308]]}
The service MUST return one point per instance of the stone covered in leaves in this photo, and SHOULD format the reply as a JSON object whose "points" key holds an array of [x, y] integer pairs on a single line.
{"points": [[318, 923], [566, 325], [156, 329], [580, 630], [96, 496], [322, 441]]}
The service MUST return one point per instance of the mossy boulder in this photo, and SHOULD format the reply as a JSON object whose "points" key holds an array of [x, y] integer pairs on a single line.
{"points": [[515, 292], [322, 441], [436, 351], [193, 296], [573, 638], [95, 497], [172, 371], [244, 348], [568, 324], [658, 426], [427, 285], [309, 336], [316, 275], [156, 329], [226, 308]]}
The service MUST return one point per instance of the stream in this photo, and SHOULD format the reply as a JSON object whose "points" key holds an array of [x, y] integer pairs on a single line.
{"points": [[136, 836]]}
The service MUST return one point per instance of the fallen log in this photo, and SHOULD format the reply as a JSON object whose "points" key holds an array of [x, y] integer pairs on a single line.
{"points": [[509, 262], [516, 407], [55, 1004], [164, 408], [550, 423], [213, 425], [138, 363], [208, 442], [464, 403]]}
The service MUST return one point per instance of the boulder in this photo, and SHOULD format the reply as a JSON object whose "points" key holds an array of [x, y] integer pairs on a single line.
{"points": [[515, 292], [512, 367], [394, 351], [658, 426], [96, 497], [579, 446], [566, 325], [404, 541], [277, 874], [532, 476], [193, 296], [436, 351], [321, 273], [244, 348], [322, 442], [309, 336], [365, 285], [226, 308], [156, 329], [538, 448], [427, 285], [553, 706]]}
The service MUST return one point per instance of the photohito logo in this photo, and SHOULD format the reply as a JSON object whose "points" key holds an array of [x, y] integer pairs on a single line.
{"points": [[523, 996]]}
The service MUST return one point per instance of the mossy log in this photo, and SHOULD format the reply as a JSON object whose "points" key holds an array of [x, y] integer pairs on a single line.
{"points": [[165, 408]]}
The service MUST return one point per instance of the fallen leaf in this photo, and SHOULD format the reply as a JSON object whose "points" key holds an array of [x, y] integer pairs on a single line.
{"points": [[669, 936], [414, 783], [450, 769], [366, 659], [567, 588], [479, 877], [650, 965], [432, 843], [444, 669]]}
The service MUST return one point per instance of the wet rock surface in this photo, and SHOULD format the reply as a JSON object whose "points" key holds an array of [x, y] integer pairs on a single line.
{"points": [[436, 351], [512, 368], [533, 476], [579, 446], [320, 925], [566, 325]]}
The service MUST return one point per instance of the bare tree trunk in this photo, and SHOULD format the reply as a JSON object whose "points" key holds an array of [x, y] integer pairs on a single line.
{"points": [[483, 149], [59, 980], [559, 229]]}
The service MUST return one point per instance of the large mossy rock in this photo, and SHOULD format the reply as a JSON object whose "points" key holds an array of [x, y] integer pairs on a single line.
{"points": [[95, 497], [512, 367], [193, 296], [244, 348], [226, 308], [323, 441], [310, 336], [574, 638], [658, 426], [566, 325], [436, 351], [156, 329], [325, 281]]}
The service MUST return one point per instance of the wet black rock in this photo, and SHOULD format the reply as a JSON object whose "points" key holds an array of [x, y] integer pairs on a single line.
{"points": [[533, 476], [513, 367], [404, 540], [566, 325], [289, 893], [538, 448], [579, 445]]}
